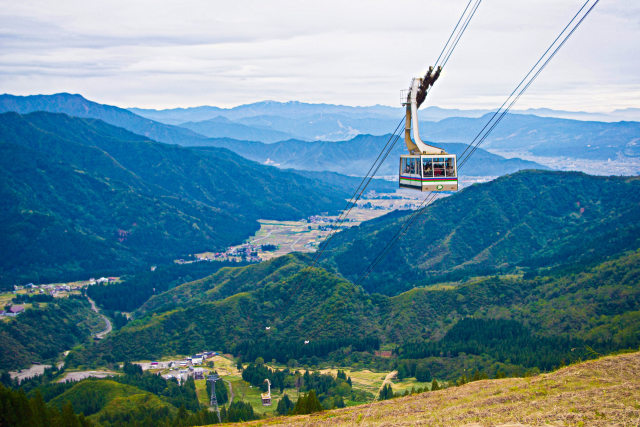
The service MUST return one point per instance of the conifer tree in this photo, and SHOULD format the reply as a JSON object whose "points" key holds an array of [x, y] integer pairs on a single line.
{"points": [[284, 405], [307, 404], [386, 392], [69, 418]]}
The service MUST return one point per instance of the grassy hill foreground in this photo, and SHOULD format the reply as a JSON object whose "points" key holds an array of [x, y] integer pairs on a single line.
{"points": [[605, 391]]}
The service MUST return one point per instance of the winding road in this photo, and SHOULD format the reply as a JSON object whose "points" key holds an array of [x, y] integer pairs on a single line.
{"points": [[109, 327]]}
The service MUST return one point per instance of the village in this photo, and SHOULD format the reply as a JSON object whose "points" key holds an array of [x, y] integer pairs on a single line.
{"points": [[182, 369], [13, 303], [277, 238]]}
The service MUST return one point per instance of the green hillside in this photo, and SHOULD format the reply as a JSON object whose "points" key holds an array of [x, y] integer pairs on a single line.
{"points": [[524, 221], [295, 305], [41, 334], [108, 402], [85, 198], [516, 324]]}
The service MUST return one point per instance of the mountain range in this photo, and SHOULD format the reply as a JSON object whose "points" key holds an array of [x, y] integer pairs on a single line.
{"points": [[83, 197], [355, 156], [543, 132], [352, 157], [78, 106], [296, 109], [544, 136], [272, 121]]}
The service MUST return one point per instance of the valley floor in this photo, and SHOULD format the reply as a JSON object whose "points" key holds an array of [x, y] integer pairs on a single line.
{"points": [[601, 392]]}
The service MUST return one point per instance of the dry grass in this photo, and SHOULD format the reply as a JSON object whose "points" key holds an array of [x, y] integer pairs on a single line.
{"points": [[601, 392]]}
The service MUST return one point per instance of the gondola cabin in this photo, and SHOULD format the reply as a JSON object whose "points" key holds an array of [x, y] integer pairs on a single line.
{"points": [[426, 167], [429, 172]]}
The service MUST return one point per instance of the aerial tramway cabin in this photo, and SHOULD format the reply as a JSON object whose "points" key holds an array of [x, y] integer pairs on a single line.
{"points": [[429, 173], [425, 168], [266, 397]]}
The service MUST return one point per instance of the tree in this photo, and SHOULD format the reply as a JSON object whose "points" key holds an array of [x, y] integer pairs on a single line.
{"points": [[132, 369], [181, 417], [434, 385], [284, 405], [423, 374], [69, 417], [240, 411], [307, 404], [386, 392]]}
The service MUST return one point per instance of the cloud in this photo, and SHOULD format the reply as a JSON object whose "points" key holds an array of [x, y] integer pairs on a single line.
{"points": [[361, 52]]}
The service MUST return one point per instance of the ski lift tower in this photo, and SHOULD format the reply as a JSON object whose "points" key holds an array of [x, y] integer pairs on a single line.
{"points": [[214, 402]]}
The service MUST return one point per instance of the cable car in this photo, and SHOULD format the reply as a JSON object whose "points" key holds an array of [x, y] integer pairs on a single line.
{"points": [[425, 168]]}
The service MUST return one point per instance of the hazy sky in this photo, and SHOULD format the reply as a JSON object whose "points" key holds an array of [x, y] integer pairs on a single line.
{"points": [[165, 54]]}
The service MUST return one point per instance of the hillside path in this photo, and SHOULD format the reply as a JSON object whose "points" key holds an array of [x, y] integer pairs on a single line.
{"points": [[109, 327], [230, 391]]}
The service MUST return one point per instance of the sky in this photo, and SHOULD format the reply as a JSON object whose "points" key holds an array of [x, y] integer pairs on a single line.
{"points": [[166, 54]]}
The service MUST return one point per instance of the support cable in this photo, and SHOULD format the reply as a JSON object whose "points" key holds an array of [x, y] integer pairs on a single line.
{"points": [[495, 114], [461, 32], [407, 224], [447, 51], [533, 78]]}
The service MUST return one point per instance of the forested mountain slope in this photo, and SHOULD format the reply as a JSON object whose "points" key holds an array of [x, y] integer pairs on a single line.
{"points": [[529, 219], [41, 334], [83, 197], [296, 306], [496, 323], [355, 156]]}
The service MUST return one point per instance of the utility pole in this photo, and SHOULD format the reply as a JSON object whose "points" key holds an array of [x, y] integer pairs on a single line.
{"points": [[214, 402]]}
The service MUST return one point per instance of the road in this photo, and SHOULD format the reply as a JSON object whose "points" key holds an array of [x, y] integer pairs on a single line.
{"points": [[230, 391], [295, 243], [108, 329], [253, 242]]}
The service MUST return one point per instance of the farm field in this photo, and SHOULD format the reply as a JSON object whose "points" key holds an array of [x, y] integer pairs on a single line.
{"points": [[372, 381], [306, 235]]}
